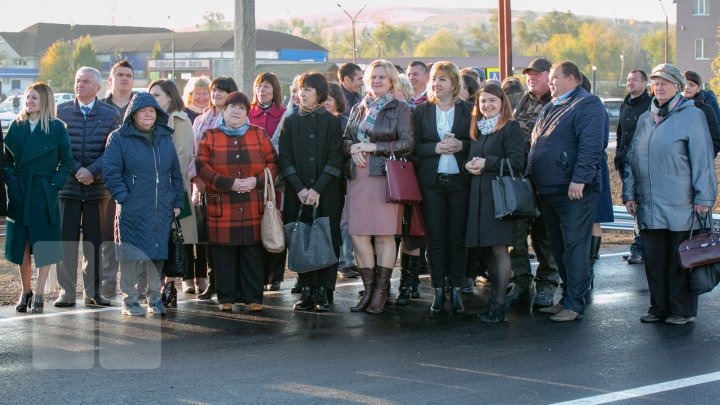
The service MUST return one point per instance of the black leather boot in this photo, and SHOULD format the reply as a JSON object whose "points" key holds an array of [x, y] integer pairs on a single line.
{"points": [[594, 257], [305, 303], [439, 301], [321, 300], [456, 300], [405, 292], [24, 302]]}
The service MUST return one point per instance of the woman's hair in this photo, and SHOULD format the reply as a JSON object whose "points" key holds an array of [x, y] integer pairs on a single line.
{"points": [[470, 72], [237, 98], [47, 105], [405, 86], [337, 94], [193, 84], [505, 110], [390, 70], [274, 82], [168, 87], [471, 84], [224, 83], [316, 81], [451, 71]]}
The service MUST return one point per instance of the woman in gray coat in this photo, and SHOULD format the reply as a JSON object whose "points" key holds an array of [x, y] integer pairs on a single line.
{"points": [[669, 177]]}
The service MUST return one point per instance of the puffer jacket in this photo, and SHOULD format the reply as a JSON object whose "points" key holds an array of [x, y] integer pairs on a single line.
{"points": [[394, 123], [145, 180], [88, 136], [669, 167]]}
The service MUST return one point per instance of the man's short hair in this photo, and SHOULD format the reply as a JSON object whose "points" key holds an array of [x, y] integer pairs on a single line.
{"points": [[92, 70], [569, 68], [123, 63], [348, 70], [642, 74], [418, 63]]}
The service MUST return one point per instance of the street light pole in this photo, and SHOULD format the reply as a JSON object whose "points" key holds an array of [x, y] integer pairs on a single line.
{"points": [[352, 20], [172, 49], [594, 89], [666, 30]]}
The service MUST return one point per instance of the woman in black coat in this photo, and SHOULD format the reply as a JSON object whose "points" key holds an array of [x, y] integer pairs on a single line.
{"points": [[692, 91], [442, 143], [310, 161], [495, 137]]}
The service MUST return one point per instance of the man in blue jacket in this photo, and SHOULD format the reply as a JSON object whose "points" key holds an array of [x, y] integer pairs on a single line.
{"points": [[564, 162], [84, 199]]}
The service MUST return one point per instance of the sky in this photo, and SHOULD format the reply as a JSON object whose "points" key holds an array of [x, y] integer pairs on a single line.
{"points": [[155, 13]]}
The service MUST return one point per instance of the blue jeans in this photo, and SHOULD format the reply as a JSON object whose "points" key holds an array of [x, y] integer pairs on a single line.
{"points": [[347, 256]]}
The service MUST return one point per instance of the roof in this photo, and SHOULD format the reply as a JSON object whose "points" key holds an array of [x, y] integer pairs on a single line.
{"points": [[479, 61], [199, 41], [36, 39]]}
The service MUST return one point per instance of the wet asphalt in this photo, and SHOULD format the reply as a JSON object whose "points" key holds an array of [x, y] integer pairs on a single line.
{"points": [[198, 355]]}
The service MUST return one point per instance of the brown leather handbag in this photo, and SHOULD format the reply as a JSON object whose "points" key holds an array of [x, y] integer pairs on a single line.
{"points": [[271, 226], [402, 184], [701, 248]]}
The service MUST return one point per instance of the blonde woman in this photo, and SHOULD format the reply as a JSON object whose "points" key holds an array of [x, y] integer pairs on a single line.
{"points": [[37, 162], [196, 96]]}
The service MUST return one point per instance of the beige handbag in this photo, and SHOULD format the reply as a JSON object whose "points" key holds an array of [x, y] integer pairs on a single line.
{"points": [[271, 226]]}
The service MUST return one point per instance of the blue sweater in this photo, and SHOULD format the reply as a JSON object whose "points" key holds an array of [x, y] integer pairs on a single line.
{"points": [[568, 143]]}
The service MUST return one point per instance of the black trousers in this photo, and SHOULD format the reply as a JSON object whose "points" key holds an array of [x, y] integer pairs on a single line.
{"points": [[569, 225], [547, 277], [445, 206], [88, 217], [197, 261], [238, 273], [274, 266], [669, 284], [319, 278]]}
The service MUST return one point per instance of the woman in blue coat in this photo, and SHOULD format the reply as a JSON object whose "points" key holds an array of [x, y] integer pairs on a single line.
{"points": [[37, 163], [142, 173]]}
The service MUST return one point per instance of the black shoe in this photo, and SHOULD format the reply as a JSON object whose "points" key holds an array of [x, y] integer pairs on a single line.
{"points": [[208, 293], [495, 313], [275, 286], [635, 257], [415, 293], [98, 301], [404, 296], [296, 289], [439, 301], [456, 300], [305, 303], [468, 286], [321, 301], [25, 302], [38, 304], [349, 272]]}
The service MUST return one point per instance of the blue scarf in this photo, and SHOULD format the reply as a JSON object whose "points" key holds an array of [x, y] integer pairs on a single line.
{"points": [[233, 131]]}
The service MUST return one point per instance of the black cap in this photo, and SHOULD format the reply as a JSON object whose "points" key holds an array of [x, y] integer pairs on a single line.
{"points": [[538, 65]]}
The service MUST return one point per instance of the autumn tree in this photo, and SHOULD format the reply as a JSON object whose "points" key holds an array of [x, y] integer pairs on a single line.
{"points": [[654, 46], [214, 21], [443, 43], [55, 67], [715, 67], [85, 53], [156, 51]]}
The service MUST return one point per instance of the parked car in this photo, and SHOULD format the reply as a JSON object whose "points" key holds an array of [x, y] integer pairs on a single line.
{"points": [[7, 116], [63, 97], [612, 106]]}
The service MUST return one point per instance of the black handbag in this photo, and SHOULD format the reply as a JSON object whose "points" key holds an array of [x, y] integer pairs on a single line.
{"points": [[176, 263], [513, 197], [201, 219], [310, 245]]}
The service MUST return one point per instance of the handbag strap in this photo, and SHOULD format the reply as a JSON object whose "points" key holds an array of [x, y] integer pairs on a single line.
{"points": [[502, 168], [392, 150], [702, 221], [269, 183], [177, 225]]}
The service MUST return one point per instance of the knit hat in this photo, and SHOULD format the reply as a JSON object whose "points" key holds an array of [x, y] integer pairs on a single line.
{"points": [[670, 73], [694, 77]]}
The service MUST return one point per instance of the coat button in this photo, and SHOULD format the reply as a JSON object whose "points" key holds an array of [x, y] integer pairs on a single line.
{"points": [[237, 156], [311, 136], [235, 142], [311, 158], [240, 209]]}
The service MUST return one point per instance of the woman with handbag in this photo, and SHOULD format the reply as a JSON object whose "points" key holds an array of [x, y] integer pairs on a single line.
{"points": [[669, 177], [441, 145], [142, 172], [496, 140], [168, 97], [377, 124], [310, 163], [230, 161], [37, 161]]}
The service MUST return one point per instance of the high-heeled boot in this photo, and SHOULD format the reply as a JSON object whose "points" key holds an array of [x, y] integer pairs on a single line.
{"points": [[439, 301], [381, 291], [210, 290], [38, 304], [321, 300], [24, 302], [594, 257], [495, 313], [305, 303], [405, 291], [368, 279], [456, 300]]}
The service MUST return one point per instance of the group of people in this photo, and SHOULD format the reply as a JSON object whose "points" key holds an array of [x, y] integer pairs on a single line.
{"points": [[136, 163]]}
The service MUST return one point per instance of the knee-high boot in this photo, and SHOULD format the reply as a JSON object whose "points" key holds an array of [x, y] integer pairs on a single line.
{"points": [[405, 292], [368, 279], [594, 257], [380, 294]]}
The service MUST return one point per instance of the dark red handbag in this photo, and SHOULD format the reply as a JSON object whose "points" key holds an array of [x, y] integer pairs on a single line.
{"points": [[402, 184], [702, 248], [417, 221]]}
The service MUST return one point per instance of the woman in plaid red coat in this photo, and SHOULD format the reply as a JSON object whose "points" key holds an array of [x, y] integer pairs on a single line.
{"points": [[230, 161]]}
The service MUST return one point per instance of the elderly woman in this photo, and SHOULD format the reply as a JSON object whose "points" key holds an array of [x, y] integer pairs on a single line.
{"points": [[310, 161], [168, 98], [36, 164], [196, 96], [230, 161], [142, 173], [442, 142], [378, 123], [669, 177]]}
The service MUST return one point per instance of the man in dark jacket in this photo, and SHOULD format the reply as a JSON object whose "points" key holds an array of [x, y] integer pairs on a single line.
{"points": [[564, 159], [636, 102], [83, 200], [350, 76]]}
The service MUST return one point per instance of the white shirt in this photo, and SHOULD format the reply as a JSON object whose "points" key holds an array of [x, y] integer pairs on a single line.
{"points": [[444, 119]]}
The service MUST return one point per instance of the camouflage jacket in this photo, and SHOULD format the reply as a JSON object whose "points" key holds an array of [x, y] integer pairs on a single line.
{"points": [[526, 114]]}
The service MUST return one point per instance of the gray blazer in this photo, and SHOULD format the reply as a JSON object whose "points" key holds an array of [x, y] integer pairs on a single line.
{"points": [[669, 167]]}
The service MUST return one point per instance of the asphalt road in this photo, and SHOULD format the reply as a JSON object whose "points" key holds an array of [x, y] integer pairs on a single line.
{"points": [[197, 355]]}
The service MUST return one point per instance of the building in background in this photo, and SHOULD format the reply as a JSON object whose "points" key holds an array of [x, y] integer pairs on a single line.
{"points": [[696, 35]]}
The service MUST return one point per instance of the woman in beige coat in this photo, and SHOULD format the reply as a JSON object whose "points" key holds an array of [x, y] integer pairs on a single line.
{"points": [[168, 97]]}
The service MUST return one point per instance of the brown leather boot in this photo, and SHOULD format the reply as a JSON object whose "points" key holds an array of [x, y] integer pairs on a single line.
{"points": [[380, 295], [368, 279]]}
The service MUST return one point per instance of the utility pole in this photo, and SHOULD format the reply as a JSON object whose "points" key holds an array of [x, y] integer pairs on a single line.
{"points": [[245, 45], [505, 39], [666, 30], [352, 20]]}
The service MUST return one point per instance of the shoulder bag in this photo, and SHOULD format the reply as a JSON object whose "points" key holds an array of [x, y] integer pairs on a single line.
{"points": [[513, 197], [309, 245], [700, 254], [176, 263], [402, 184], [271, 227]]}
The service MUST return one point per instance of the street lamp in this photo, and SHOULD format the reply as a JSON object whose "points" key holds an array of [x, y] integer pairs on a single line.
{"points": [[172, 49], [622, 67], [594, 89], [353, 19]]}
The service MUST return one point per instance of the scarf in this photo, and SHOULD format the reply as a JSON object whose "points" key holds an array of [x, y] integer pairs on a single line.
{"points": [[240, 131], [658, 112], [265, 107], [487, 125], [310, 109], [372, 108]]}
